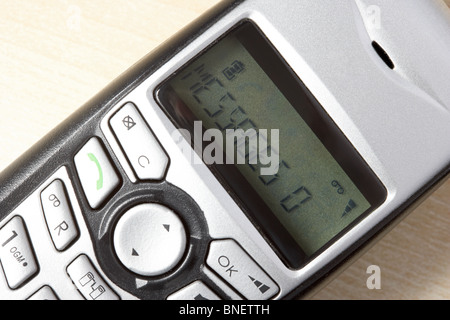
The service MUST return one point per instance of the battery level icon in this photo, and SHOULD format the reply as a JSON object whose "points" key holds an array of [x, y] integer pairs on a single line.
{"points": [[235, 68]]}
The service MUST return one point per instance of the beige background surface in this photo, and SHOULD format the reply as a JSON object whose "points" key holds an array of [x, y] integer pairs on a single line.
{"points": [[56, 54]]}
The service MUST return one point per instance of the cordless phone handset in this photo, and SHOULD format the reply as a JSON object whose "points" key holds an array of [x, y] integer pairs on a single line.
{"points": [[249, 157]]}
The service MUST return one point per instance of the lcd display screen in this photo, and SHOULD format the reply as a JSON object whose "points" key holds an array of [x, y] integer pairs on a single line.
{"points": [[271, 143]]}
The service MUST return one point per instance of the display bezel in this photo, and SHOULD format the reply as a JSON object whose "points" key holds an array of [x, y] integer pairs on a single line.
{"points": [[295, 91]]}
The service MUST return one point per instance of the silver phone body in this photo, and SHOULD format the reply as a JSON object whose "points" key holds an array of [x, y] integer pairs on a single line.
{"points": [[398, 120]]}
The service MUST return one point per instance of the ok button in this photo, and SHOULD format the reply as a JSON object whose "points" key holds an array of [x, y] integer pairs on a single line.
{"points": [[150, 239], [236, 267], [225, 262]]}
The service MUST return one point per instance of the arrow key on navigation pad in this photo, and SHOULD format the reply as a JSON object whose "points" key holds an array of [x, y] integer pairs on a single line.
{"points": [[150, 239]]}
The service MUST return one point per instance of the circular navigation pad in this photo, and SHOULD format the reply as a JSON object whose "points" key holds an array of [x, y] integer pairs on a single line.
{"points": [[150, 239]]}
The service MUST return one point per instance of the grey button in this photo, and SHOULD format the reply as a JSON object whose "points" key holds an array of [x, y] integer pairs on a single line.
{"points": [[16, 254], [150, 239], [44, 293], [58, 215], [141, 147], [195, 291], [88, 281], [237, 268], [97, 175]]}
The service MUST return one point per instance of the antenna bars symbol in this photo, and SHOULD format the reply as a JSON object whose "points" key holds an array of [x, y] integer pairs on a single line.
{"points": [[350, 206], [261, 286]]}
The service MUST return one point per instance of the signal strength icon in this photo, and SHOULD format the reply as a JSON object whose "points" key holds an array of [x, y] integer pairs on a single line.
{"points": [[350, 206], [261, 286]]}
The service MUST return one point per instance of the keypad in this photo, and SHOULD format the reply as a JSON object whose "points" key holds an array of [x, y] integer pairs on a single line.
{"points": [[45, 293], [237, 268], [58, 215], [149, 239], [96, 172], [141, 147], [195, 291], [88, 281], [16, 253]]}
